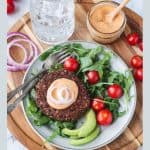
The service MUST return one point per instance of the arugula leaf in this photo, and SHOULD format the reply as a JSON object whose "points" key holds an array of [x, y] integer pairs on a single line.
{"points": [[79, 49], [69, 125], [41, 121], [95, 51], [85, 62], [113, 76], [55, 67], [120, 114], [94, 66], [53, 50], [52, 136], [31, 105]]}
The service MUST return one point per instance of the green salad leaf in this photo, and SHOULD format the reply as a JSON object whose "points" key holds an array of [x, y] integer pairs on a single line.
{"points": [[85, 62]]}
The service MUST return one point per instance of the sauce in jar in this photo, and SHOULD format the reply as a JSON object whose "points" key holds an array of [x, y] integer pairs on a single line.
{"points": [[99, 21]]}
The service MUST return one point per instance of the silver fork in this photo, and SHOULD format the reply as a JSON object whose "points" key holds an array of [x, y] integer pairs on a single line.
{"points": [[59, 57]]}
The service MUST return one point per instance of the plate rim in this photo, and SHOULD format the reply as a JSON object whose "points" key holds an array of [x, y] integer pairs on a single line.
{"points": [[108, 141]]}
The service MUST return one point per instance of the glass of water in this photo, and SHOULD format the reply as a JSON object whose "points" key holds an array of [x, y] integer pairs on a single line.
{"points": [[52, 20]]}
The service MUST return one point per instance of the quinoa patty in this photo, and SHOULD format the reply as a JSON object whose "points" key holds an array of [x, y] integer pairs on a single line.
{"points": [[73, 112]]}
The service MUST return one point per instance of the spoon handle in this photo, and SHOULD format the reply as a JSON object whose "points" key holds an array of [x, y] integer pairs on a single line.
{"points": [[117, 10]]}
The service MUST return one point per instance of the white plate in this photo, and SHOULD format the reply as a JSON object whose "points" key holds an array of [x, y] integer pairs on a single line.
{"points": [[109, 133]]}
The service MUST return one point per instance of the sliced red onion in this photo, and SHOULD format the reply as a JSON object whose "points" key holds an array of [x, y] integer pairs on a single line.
{"points": [[25, 60], [19, 34], [14, 34], [16, 68], [29, 55]]}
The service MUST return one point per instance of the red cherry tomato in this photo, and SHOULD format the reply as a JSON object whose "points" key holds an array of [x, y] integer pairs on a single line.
{"points": [[93, 76], [115, 91], [138, 74], [133, 38], [10, 8], [71, 64], [141, 45], [136, 61], [10, 1], [104, 117], [98, 104]]}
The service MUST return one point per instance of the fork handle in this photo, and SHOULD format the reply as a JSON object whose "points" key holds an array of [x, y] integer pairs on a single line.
{"points": [[11, 94], [12, 106]]}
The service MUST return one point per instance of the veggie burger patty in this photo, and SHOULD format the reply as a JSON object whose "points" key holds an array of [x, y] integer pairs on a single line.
{"points": [[72, 113]]}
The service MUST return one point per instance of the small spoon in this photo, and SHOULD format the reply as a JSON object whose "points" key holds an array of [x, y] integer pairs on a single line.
{"points": [[109, 17]]}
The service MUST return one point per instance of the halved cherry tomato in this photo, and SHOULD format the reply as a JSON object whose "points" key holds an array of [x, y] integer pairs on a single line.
{"points": [[136, 61], [104, 117], [133, 38], [138, 74], [141, 45], [115, 91], [10, 8], [93, 76], [98, 104], [71, 64]]}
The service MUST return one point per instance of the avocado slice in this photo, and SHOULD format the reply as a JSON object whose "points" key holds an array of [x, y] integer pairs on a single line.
{"points": [[74, 137], [70, 132], [88, 126], [89, 138]]}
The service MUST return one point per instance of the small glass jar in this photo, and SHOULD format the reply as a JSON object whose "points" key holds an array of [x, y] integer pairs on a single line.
{"points": [[104, 36], [52, 20]]}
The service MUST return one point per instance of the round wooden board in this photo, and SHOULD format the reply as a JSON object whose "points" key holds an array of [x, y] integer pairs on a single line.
{"points": [[132, 137]]}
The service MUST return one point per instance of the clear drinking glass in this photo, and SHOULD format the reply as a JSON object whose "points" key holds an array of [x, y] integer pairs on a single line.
{"points": [[52, 20]]}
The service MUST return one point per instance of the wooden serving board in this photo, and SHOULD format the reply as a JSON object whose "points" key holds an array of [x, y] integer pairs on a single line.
{"points": [[132, 137]]}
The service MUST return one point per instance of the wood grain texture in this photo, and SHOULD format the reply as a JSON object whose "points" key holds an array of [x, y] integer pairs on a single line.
{"points": [[132, 137]]}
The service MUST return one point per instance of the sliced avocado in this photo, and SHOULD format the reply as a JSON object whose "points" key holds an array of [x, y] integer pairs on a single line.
{"points": [[70, 132], [89, 138], [85, 129], [89, 124], [74, 137]]}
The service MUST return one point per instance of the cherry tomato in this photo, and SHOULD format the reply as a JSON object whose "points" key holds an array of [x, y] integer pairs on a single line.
{"points": [[104, 117], [133, 38], [115, 91], [71, 64], [138, 74], [10, 1], [136, 61], [141, 45], [98, 104], [10, 8], [93, 76]]}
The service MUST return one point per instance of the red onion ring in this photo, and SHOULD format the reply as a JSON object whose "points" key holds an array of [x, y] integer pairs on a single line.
{"points": [[12, 65], [25, 60], [22, 35], [16, 68], [13, 34]]}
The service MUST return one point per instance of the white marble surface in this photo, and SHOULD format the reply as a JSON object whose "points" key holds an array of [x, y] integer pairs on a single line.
{"points": [[22, 6]]}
